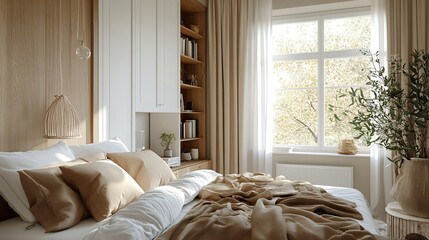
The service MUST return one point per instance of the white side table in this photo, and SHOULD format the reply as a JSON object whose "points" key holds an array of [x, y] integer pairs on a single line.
{"points": [[399, 224]]}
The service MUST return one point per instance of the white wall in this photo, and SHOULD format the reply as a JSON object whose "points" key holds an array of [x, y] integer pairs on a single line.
{"points": [[279, 4]]}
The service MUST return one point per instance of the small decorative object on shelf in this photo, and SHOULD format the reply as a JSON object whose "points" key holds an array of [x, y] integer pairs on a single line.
{"points": [[194, 28], [186, 156], [189, 105], [140, 140], [166, 140], [172, 161], [182, 103], [347, 147], [194, 153], [192, 80]]}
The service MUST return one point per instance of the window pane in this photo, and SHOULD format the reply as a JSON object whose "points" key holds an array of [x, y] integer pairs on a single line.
{"points": [[295, 74], [347, 33], [338, 128], [346, 71], [295, 117], [295, 38]]}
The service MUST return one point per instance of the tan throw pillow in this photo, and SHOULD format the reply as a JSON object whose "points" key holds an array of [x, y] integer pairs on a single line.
{"points": [[104, 187], [52, 202], [146, 167]]}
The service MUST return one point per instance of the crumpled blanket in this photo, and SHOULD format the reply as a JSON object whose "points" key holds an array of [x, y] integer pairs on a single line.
{"points": [[255, 206]]}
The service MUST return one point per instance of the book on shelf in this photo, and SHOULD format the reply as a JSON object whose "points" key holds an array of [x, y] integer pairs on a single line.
{"points": [[189, 47], [189, 129], [194, 127]]}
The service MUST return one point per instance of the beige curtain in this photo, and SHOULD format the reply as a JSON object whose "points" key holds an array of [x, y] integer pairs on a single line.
{"points": [[407, 27], [238, 33]]}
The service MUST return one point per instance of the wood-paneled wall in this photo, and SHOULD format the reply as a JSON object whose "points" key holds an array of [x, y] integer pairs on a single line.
{"points": [[29, 69]]}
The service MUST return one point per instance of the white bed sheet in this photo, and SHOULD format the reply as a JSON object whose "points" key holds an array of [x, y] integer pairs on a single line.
{"points": [[15, 229], [361, 205]]}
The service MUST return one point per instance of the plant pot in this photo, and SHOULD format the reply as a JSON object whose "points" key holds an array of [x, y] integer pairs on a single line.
{"points": [[168, 153], [411, 189]]}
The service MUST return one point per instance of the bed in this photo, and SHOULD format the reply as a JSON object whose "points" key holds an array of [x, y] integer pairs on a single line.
{"points": [[166, 208]]}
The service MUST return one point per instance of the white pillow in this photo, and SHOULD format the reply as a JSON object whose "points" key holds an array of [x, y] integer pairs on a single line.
{"points": [[11, 162], [108, 146]]}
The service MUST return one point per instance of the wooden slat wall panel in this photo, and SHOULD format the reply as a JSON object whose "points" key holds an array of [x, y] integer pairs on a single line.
{"points": [[29, 77]]}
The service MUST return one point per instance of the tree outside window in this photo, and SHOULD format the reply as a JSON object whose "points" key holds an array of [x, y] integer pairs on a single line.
{"points": [[316, 61]]}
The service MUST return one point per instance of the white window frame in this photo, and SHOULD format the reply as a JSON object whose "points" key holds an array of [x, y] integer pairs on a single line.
{"points": [[330, 11]]}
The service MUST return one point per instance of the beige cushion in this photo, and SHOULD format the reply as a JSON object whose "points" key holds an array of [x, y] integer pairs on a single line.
{"points": [[146, 167], [104, 186], [11, 162], [53, 203]]}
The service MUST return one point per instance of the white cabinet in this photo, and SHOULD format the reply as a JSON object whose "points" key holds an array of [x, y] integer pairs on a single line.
{"points": [[136, 66], [156, 46]]}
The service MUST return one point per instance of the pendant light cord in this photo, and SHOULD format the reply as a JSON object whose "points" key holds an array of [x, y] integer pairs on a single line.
{"points": [[60, 51], [80, 12]]}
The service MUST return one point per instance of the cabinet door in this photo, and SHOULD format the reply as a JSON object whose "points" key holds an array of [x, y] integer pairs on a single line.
{"points": [[115, 71], [158, 77], [145, 30], [168, 55]]}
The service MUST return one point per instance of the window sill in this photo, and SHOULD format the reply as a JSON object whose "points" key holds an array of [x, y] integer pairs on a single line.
{"points": [[289, 151]]}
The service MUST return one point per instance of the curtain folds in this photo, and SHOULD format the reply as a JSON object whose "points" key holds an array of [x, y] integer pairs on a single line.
{"points": [[407, 27], [238, 69], [400, 26], [380, 166]]}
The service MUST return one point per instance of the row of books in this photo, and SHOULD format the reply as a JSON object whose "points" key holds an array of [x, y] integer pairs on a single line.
{"points": [[189, 47], [188, 129]]}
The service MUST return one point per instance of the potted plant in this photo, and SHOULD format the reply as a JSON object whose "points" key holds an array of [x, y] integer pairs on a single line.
{"points": [[166, 140], [396, 116]]}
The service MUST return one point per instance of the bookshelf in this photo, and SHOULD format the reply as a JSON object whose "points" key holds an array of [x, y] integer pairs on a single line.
{"points": [[193, 76]]}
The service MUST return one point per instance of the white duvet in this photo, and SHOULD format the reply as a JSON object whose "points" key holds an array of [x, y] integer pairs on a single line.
{"points": [[155, 210]]}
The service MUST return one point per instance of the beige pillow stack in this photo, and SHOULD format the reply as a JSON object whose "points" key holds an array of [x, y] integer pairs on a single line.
{"points": [[61, 195]]}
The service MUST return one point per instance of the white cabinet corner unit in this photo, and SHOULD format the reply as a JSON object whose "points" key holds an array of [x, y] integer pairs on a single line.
{"points": [[136, 67]]}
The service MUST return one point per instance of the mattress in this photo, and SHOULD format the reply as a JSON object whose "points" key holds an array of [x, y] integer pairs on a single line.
{"points": [[15, 229]]}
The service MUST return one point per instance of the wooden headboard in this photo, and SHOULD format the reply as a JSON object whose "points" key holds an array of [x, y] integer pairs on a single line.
{"points": [[29, 69], [29, 76], [5, 211]]}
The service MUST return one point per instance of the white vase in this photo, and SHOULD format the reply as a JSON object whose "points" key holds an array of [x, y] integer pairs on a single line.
{"points": [[411, 188]]}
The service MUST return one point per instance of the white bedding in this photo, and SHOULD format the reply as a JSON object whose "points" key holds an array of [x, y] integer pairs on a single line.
{"points": [[361, 205], [154, 211]]}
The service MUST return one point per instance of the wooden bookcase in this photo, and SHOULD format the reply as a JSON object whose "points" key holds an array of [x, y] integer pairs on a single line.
{"points": [[194, 94]]}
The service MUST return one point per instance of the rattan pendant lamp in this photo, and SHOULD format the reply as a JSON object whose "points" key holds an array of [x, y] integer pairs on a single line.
{"points": [[61, 119]]}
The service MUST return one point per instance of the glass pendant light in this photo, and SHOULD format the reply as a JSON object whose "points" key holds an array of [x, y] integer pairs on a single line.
{"points": [[82, 51]]}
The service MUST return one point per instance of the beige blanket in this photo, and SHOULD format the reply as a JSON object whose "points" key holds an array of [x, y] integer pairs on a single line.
{"points": [[256, 206]]}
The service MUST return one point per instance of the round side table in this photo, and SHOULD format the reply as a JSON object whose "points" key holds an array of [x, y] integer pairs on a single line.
{"points": [[399, 223]]}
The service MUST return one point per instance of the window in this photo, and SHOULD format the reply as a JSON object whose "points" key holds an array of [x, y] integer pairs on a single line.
{"points": [[316, 60]]}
